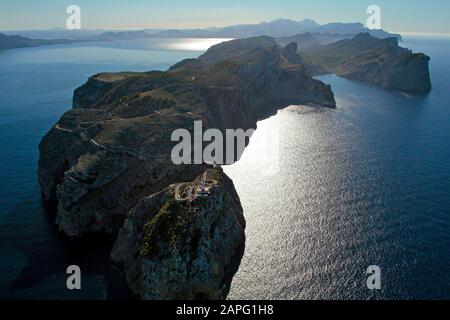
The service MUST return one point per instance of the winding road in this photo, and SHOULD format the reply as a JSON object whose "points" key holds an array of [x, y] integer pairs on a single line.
{"points": [[138, 155]]}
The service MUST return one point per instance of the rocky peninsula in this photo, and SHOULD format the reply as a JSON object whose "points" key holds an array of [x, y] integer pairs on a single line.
{"points": [[174, 245], [365, 58], [107, 165]]}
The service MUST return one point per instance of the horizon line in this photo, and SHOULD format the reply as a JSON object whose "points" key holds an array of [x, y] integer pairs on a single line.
{"points": [[406, 33]]}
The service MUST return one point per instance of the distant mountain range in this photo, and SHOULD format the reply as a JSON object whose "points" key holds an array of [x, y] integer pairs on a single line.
{"points": [[12, 42], [326, 33], [275, 28]]}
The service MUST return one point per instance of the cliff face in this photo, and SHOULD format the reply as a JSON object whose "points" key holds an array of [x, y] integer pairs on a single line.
{"points": [[176, 246], [399, 70], [377, 61], [108, 160]]}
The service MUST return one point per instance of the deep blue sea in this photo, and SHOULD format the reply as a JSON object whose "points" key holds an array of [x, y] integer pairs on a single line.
{"points": [[365, 184]]}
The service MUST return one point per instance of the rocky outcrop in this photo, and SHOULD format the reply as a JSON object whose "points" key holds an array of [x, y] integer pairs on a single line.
{"points": [[304, 41], [381, 62], [177, 246], [390, 68], [108, 160], [290, 53]]}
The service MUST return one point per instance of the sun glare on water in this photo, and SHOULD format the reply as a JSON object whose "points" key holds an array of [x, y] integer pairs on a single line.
{"points": [[197, 44]]}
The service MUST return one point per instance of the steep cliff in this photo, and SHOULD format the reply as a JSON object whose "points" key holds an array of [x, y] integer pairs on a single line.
{"points": [[175, 245], [381, 62]]}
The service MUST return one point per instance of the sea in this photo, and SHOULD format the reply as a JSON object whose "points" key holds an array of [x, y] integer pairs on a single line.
{"points": [[362, 186]]}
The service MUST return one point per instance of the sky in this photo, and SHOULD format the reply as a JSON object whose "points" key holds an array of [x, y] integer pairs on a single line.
{"points": [[430, 16]]}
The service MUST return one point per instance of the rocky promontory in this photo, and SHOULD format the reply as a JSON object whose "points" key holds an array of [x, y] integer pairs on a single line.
{"points": [[365, 58], [176, 245], [108, 161], [14, 42]]}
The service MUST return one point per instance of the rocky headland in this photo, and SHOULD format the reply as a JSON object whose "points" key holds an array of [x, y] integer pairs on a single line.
{"points": [[365, 58], [174, 245], [107, 162]]}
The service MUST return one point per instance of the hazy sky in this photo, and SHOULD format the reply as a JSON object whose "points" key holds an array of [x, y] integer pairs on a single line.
{"points": [[397, 15]]}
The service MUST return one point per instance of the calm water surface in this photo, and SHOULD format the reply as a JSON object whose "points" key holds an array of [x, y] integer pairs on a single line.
{"points": [[366, 184]]}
